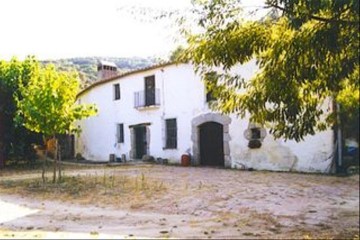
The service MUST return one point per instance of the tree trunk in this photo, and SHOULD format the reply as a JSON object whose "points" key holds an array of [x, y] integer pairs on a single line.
{"points": [[55, 159], [44, 166], [2, 141], [59, 163], [44, 162], [339, 140], [2, 154]]}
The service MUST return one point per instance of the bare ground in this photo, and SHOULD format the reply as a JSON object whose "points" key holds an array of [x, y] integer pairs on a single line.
{"points": [[186, 202]]}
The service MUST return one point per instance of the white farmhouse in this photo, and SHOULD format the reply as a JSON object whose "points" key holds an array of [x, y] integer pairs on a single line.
{"points": [[162, 111]]}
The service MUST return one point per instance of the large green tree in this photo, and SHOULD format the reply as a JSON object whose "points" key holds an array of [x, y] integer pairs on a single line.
{"points": [[47, 103], [307, 53], [15, 141]]}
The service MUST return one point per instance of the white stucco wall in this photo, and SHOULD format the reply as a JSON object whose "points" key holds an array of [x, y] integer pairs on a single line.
{"points": [[178, 91], [182, 96], [314, 154]]}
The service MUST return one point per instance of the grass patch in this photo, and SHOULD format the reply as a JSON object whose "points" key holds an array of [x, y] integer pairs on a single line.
{"points": [[107, 188], [21, 169]]}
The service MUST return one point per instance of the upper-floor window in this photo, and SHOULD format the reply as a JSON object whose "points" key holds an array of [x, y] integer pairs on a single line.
{"points": [[150, 90], [171, 133], [209, 86], [116, 91], [150, 96], [210, 96]]}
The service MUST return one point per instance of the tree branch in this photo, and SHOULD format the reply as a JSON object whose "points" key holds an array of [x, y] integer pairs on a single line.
{"points": [[322, 19]]}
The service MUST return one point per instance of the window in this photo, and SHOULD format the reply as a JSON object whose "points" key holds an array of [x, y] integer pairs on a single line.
{"points": [[171, 133], [210, 96], [255, 133], [150, 90], [120, 133], [210, 80], [117, 91], [255, 138]]}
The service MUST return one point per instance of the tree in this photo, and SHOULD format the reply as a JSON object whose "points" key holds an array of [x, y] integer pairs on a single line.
{"points": [[47, 103], [15, 141], [176, 54], [307, 53]]}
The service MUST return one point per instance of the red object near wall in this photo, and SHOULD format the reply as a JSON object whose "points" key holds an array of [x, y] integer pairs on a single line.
{"points": [[185, 160]]}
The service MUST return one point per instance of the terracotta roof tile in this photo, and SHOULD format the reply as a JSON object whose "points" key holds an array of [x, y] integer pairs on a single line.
{"points": [[100, 82]]}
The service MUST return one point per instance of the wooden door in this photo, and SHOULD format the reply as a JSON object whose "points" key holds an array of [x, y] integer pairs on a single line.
{"points": [[211, 144], [150, 91], [140, 141]]}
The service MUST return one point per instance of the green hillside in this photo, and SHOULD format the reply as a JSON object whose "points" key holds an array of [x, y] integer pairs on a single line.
{"points": [[87, 66]]}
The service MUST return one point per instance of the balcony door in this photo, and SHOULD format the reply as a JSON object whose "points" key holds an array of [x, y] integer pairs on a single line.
{"points": [[150, 90]]}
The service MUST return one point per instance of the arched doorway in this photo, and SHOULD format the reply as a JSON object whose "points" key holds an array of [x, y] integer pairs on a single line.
{"points": [[211, 144], [198, 123]]}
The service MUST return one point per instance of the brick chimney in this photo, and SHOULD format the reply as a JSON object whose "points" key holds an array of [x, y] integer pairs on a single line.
{"points": [[106, 70]]}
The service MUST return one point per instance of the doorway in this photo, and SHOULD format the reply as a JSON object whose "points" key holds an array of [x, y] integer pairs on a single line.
{"points": [[140, 142], [211, 144], [150, 91]]}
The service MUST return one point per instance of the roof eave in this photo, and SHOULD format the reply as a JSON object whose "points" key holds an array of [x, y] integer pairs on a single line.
{"points": [[106, 80]]}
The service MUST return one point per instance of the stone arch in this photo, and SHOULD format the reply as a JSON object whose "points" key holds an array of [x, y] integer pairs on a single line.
{"points": [[210, 117]]}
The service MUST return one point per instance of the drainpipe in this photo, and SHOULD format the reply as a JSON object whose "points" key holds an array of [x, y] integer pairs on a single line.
{"points": [[163, 92], [162, 99]]}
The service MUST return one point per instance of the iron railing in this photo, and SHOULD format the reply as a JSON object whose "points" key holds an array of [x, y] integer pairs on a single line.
{"points": [[147, 98]]}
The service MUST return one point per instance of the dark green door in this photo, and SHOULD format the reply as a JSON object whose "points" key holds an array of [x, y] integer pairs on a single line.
{"points": [[140, 141], [211, 144]]}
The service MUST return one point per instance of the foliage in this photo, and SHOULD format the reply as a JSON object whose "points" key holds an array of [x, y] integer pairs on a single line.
{"points": [[307, 55], [16, 140], [87, 66], [176, 54], [47, 105], [47, 102]]}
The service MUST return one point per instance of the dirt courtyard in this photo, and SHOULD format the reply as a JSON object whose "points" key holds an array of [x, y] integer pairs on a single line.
{"points": [[189, 202]]}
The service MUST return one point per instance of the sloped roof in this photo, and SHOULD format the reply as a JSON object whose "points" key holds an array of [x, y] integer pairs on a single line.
{"points": [[106, 80]]}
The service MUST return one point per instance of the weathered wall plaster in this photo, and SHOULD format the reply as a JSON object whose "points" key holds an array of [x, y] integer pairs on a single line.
{"points": [[182, 96]]}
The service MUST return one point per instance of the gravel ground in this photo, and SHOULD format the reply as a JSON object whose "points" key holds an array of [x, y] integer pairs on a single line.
{"points": [[197, 203]]}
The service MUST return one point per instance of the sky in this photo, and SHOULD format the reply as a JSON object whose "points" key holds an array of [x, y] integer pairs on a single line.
{"points": [[54, 29]]}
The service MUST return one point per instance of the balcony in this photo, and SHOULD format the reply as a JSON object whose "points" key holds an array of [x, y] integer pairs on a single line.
{"points": [[147, 99]]}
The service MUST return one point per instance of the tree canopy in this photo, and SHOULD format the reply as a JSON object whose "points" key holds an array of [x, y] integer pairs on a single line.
{"points": [[15, 141], [307, 53], [47, 102]]}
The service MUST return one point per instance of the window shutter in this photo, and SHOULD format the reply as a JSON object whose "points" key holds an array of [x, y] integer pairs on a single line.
{"points": [[171, 133], [117, 91], [120, 132]]}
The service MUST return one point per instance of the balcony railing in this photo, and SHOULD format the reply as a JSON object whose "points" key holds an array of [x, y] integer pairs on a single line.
{"points": [[147, 98]]}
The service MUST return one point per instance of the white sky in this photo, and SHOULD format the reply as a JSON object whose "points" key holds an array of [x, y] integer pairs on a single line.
{"points": [[52, 29]]}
